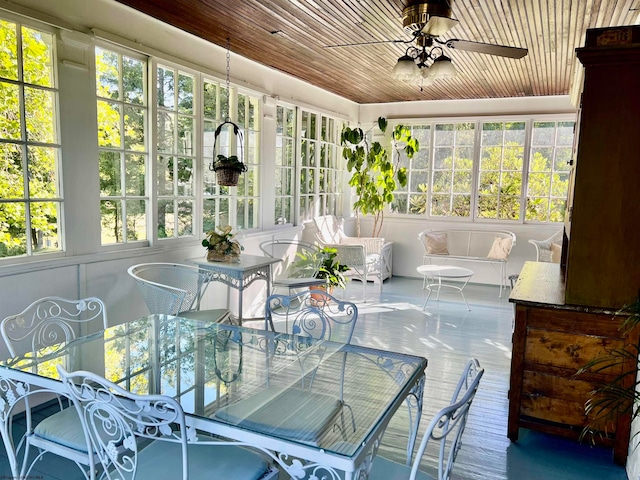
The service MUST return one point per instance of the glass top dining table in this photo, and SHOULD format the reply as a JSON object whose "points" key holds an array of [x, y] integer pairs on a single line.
{"points": [[317, 408]]}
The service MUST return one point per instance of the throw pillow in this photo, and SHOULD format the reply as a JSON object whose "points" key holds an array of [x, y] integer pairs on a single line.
{"points": [[556, 253], [500, 248], [437, 243]]}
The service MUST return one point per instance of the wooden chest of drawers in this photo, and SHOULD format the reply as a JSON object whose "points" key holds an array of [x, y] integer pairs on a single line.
{"points": [[551, 342]]}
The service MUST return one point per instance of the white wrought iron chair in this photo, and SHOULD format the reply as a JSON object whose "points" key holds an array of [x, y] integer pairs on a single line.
{"points": [[379, 253], [311, 314], [446, 428], [175, 289], [300, 264], [146, 436], [45, 325], [314, 314], [544, 247]]}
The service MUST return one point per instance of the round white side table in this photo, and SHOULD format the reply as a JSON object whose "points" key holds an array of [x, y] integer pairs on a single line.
{"points": [[434, 274]]}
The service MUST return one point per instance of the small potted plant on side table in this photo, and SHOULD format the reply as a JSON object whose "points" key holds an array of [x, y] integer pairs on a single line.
{"points": [[221, 246]]}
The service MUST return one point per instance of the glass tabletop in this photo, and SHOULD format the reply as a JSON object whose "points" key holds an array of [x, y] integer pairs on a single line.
{"points": [[315, 393]]}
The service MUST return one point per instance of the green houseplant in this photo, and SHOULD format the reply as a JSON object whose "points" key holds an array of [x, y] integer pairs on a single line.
{"points": [[374, 175], [322, 263], [331, 269]]}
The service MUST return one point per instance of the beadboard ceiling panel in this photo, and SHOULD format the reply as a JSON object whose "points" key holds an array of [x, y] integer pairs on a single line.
{"points": [[291, 35]]}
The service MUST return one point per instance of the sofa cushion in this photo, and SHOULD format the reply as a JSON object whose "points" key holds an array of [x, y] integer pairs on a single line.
{"points": [[437, 243], [501, 248]]}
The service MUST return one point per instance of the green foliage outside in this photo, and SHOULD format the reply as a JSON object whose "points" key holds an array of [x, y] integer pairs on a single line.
{"points": [[33, 226]]}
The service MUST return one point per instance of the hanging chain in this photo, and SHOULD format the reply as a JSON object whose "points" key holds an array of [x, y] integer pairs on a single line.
{"points": [[228, 118]]}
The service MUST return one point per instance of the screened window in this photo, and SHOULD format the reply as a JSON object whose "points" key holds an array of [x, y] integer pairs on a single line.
{"points": [[30, 188], [548, 180], [176, 126], [285, 165], [123, 153]]}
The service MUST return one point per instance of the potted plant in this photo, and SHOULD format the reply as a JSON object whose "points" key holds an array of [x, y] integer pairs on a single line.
{"points": [[331, 269], [221, 246], [228, 170], [373, 174]]}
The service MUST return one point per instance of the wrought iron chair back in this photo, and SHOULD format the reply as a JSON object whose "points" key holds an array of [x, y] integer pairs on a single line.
{"points": [[446, 429], [45, 325], [314, 314], [300, 263], [50, 321], [170, 288], [146, 436]]}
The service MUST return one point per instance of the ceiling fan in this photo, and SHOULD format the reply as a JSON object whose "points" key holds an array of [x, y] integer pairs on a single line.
{"points": [[424, 62]]}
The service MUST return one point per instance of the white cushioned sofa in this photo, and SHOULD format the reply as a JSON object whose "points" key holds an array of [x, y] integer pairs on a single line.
{"points": [[486, 246]]}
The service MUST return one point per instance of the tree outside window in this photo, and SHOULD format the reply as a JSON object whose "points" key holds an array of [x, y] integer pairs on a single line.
{"points": [[122, 113], [548, 179], [176, 125], [30, 190]]}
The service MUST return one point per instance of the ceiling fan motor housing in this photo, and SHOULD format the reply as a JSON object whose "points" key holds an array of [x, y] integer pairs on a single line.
{"points": [[416, 15]]}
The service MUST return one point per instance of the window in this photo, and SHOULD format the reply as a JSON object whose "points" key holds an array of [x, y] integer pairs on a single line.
{"points": [[548, 180], [320, 189], [452, 170], [248, 189], [502, 170], [285, 165], [30, 189], [176, 127], [500, 175], [122, 113], [413, 197], [222, 205]]}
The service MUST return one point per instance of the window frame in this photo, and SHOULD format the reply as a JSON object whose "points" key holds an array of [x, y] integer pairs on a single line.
{"points": [[23, 143], [149, 139], [529, 121]]}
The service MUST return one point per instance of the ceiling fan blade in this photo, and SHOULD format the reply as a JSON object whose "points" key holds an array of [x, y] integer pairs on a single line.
{"points": [[366, 43], [490, 49]]}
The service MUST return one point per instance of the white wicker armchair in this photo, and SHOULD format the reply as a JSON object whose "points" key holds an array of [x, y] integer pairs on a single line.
{"points": [[379, 254], [543, 247]]}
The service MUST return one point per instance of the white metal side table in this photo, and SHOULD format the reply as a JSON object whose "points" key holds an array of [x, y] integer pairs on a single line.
{"points": [[434, 274]]}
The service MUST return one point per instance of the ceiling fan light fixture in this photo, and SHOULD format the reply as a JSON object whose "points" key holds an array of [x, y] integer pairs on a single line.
{"points": [[423, 79], [442, 67], [406, 69]]}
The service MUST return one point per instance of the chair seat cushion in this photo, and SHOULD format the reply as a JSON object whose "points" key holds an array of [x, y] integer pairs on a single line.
{"points": [[385, 469], [63, 427], [163, 460], [288, 412]]}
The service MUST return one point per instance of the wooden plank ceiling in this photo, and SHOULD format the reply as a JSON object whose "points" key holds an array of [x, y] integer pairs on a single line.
{"points": [[291, 36]]}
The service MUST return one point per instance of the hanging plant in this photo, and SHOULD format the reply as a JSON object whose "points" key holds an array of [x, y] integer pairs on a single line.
{"points": [[228, 169]]}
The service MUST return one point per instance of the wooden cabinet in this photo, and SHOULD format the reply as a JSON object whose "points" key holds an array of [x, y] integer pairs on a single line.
{"points": [[551, 342], [603, 257]]}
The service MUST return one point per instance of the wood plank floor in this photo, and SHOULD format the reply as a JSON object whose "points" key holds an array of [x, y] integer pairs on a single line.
{"points": [[447, 334]]}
